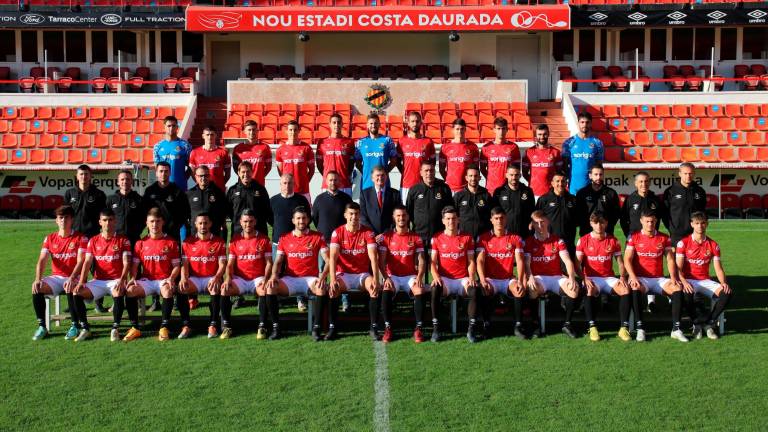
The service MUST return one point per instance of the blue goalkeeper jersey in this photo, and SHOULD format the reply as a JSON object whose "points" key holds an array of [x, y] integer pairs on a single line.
{"points": [[373, 152], [176, 153], [580, 154]]}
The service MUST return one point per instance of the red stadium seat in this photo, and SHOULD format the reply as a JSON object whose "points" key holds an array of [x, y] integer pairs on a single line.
{"points": [[707, 154], [707, 124], [698, 139], [730, 205], [651, 155], [632, 155], [51, 202], [727, 154], [751, 206], [10, 141], [32, 205], [736, 138], [643, 139], [669, 154], [748, 154]]}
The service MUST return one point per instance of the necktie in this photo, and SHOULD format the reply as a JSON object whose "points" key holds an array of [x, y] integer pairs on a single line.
{"points": [[381, 199]]}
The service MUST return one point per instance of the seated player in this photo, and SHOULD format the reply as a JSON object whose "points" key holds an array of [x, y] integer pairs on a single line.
{"points": [[498, 252], [595, 253], [298, 251], [644, 262], [543, 271], [109, 256], [402, 264], [693, 255], [158, 256], [250, 260], [453, 270], [354, 264], [203, 261], [67, 251]]}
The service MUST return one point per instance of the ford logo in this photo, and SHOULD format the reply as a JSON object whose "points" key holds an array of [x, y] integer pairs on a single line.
{"points": [[111, 19], [32, 19]]}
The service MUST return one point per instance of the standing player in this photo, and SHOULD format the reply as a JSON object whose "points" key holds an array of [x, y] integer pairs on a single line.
{"points": [[248, 194], [693, 255], [474, 204], [374, 150], [644, 261], [353, 264], [170, 200], [456, 156], [258, 155], [295, 157], [403, 267], [580, 152], [638, 202], [596, 196], [497, 155], [560, 207], [453, 271], [175, 152], [109, 256], [66, 247], [126, 203], [413, 149], [595, 253], [212, 156], [158, 256], [541, 162], [681, 200], [498, 252], [336, 153], [87, 201], [518, 202], [207, 197], [203, 261]]}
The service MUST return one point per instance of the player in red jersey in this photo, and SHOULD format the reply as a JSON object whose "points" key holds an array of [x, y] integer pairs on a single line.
{"points": [[498, 252], [158, 256], [212, 156], [644, 261], [67, 251], [542, 268], [354, 264], [456, 156], [693, 256], [109, 255], [497, 155], [248, 266], [296, 158], [298, 252], [203, 261], [595, 253], [403, 265], [541, 162], [413, 149], [453, 270], [259, 155], [337, 153]]}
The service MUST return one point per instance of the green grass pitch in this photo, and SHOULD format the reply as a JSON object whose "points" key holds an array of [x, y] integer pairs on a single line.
{"points": [[293, 384]]}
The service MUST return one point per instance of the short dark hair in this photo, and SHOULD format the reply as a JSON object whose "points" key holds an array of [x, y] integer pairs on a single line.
{"points": [[642, 173], [292, 123], [84, 167], [501, 122], [648, 213], [125, 171], [352, 206], [331, 172], [498, 211], [686, 165], [247, 164], [399, 207], [106, 212], [699, 216], [559, 174], [472, 167], [210, 128], [163, 163], [300, 209], [155, 212], [597, 165], [372, 116], [170, 118], [202, 167], [459, 121], [597, 216], [64, 210], [250, 123], [584, 115], [337, 116], [203, 214], [415, 113], [248, 213], [542, 127], [448, 209]]}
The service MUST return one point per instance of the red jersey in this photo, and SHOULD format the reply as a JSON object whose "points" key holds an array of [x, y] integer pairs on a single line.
{"points": [[301, 253], [337, 155], [457, 158], [203, 256], [599, 254], [400, 251], [697, 256], [545, 254], [296, 160], [63, 251], [108, 256], [414, 151], [500, 254], [498, 157], [353, 249], [250, 255], [217, 161], [648, 260], [453, 254], [158, 257], [543, 163], [259, 155]]}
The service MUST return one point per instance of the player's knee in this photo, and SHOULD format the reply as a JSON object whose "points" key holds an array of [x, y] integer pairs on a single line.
{"points": [[166, 291]]}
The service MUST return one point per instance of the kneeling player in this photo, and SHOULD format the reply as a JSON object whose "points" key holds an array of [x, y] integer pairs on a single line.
{"points": [[109, 255], [402, 263], [67, 251], [542, 268], [250, 260], [354, 264], [158, 255], [299, 250], [498, 251], [203, 262], [453, 270], [644, 261], [693, 255], [595, 253]]}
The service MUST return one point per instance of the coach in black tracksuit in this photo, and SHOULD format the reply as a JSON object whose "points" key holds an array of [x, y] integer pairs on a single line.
{"points": [[680, 200], [560, 207], [474, 204], [249, 194], [641, 200], [172, 203], [87, 200], [597, 197], [518, 203], [206, 197], [426, 202], [130, 215]]}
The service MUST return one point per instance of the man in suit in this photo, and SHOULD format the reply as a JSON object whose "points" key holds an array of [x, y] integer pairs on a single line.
{"points": [[378, 202]]}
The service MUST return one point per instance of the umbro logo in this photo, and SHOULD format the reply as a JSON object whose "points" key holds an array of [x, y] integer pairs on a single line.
{"points": [[637, 16], [677, 16], [598, 16], [717, 15], [757, 14]]}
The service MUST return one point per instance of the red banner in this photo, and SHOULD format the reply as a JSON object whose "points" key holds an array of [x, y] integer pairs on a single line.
{"points": [[378, 19]]}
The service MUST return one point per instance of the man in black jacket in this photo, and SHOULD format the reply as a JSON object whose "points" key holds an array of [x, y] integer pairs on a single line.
{"points": [[518, 202], [560, 207], [641, 200], [680, 201], [328, 208], [206, 197], [425, 203], [378, 202], [171, 201], [474, 204], [87, 201], [249, 194], [126, 203], [596, 196]]}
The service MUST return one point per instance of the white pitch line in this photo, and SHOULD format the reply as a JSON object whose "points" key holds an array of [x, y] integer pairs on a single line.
{"points": [[381, 404]]}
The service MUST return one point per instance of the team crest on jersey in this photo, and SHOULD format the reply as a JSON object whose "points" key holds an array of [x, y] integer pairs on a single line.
{"points": [[132, 205], [91, 199], [608, 249], [218, 158], [467, 152], [256, 194], [635, 206], [554, 249], [211, 198], [361, 242], [659, 246], [461, 246], [420, 196], [653, 206], [509, 246], [71, 246], [212, 250], [378, 97], [480, 203], [437, 196], [115, 248], [603, 198], [523, 196], [169, 199], [177, 148], [410, 243], [707, 252]]}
